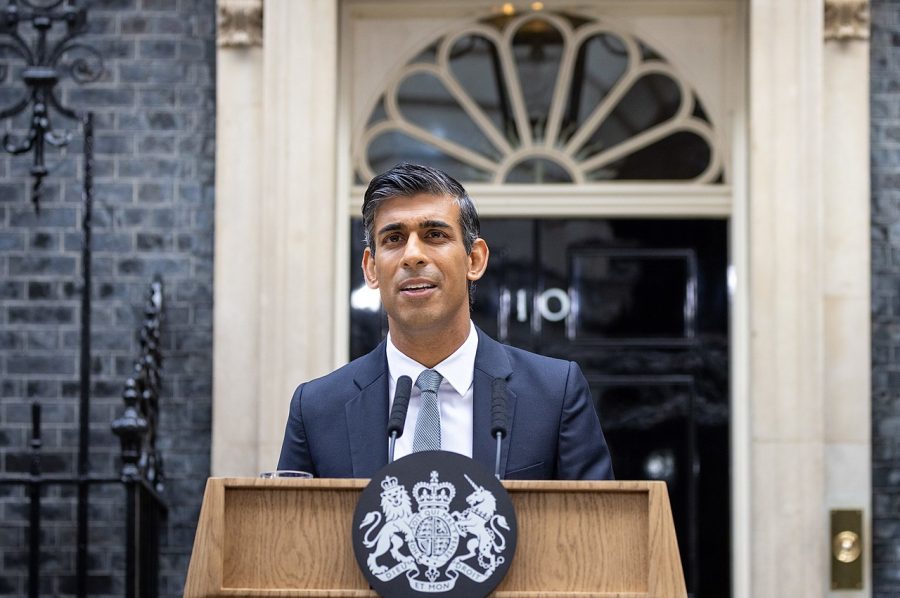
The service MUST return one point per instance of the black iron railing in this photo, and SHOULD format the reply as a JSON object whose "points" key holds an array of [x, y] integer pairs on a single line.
{"points": [[142, 467], [141, 474]]}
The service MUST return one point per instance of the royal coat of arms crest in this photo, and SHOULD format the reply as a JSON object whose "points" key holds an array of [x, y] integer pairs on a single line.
{"points": [[420, 536]]}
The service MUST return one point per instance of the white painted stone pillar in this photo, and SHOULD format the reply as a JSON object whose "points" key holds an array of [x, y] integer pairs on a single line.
{"points": [[297, 215], [847, 270], [239, 154], [275, 196], [787, 402]]}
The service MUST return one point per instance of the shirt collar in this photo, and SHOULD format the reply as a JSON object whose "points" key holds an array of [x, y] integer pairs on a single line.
{"points": [[458, 369]]}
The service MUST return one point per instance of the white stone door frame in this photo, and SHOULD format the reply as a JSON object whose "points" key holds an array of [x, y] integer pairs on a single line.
{"points": [[620, 199]]}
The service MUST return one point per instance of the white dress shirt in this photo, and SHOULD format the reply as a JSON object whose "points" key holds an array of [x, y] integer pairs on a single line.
{"points": [[455, 395]]}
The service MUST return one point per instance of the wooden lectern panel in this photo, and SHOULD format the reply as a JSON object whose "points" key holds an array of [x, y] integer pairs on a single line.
{"points": [[580, 541], [276, 537], [291, 537], [302, 533]]}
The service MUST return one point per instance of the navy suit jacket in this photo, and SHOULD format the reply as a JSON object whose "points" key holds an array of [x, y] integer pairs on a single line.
{"points": [[337, 424]]}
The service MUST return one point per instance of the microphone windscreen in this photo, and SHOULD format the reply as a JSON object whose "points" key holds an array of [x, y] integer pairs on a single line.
{"points": [[401, 402], [498, 407]]}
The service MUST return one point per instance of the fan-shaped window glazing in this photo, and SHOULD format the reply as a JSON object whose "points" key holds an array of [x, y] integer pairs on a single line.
{"points": [[541, 98]]}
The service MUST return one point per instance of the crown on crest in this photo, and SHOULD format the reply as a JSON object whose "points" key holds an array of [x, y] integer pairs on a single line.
{"points": [[389, 486], [434, 494]]}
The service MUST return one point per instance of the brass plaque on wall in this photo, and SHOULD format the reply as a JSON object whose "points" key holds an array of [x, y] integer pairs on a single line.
{"points": [[846, 550]]}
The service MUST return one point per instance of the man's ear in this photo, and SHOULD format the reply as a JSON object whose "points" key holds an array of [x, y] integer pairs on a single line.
{"points": [[478, 259], [368, 268]]}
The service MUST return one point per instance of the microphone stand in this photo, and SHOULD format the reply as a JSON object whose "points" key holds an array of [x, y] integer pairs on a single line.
{"points": [[498, 417], [391, 447], [497, 462]]}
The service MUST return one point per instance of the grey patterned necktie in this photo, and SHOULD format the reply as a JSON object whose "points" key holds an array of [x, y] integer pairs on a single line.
{"points": [[428, 424]]}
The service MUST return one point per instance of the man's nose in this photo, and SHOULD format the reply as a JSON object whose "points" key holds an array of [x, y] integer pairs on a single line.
{"points": [[414, 252]]}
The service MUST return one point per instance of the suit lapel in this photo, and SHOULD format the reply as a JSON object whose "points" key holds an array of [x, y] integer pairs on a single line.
{"points": [[491, 362], [367, 415]]}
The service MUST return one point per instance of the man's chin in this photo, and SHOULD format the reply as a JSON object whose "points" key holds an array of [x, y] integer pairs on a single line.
{"points": [[418, 321]]}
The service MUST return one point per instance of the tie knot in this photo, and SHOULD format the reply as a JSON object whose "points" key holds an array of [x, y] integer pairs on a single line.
{"points": [[429, 380]]}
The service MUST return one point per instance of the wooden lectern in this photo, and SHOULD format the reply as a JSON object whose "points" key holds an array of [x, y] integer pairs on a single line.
{"points": [[291, 537]]}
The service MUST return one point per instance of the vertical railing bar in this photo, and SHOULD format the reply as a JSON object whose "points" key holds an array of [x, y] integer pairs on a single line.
{"points": [[130, 539], [85, 358], [141, 556], [144, 572], [140, 539], [153, 556], [34, 507]]}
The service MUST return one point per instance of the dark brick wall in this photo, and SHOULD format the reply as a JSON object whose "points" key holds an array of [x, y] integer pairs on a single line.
{"points": [[154, 111], [886, 297]]}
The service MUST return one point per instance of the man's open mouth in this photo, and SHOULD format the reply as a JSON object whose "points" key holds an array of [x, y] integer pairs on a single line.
{"points": [[417, 288]]}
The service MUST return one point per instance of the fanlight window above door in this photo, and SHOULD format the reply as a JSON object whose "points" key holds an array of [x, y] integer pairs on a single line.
{"points": [[541, 98]]}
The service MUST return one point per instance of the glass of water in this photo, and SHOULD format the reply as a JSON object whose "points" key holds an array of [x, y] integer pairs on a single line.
{"points": [[285, 473]]}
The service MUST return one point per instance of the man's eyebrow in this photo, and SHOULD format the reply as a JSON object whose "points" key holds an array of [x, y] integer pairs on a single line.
{"points": [[394, 226], [390, 227], [434, 224]]}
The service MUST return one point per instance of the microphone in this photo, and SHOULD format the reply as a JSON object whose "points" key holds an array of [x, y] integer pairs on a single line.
{"points": [[398, 412], [499, 427]]}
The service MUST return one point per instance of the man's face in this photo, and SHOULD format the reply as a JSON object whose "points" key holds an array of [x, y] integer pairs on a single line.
{"points": [[420, 264]]}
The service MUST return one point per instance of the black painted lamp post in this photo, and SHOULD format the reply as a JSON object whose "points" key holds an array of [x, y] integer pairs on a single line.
{"points": [[46, 62]]}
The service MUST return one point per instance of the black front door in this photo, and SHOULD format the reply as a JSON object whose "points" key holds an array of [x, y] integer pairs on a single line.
{"points": [[642, 307]]}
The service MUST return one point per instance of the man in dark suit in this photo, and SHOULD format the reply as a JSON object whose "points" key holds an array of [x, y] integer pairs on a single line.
{"points": [[424, 254]]}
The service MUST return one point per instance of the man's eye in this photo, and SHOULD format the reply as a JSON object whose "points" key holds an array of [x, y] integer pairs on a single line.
{"points": [[436, 234], [393, 238]]}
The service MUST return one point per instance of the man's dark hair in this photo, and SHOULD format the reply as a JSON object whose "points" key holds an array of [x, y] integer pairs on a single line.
{"points": [[408, 180]]}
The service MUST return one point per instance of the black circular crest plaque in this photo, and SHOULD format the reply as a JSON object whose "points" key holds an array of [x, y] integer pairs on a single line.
{"points": [[434, 523]]}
